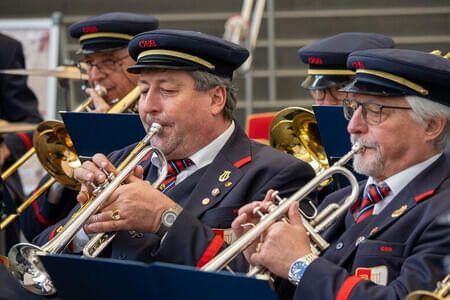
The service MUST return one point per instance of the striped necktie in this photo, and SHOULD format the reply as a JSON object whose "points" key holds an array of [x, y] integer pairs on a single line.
{"points": [[174, 167], [374, 195]]}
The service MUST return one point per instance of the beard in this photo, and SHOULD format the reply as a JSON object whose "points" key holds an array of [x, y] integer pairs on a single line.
{"points": [[371, 165]]}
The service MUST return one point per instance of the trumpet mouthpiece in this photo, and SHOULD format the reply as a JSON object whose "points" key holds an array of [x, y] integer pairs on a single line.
{"points": [[155, 128]]}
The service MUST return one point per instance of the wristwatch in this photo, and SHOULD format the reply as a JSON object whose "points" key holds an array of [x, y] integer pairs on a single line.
{"points": [[168, 217], [299, 266]]}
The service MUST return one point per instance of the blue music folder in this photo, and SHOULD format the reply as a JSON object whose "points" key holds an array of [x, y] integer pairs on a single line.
{"points": [[335, 137], [93, 133], [100, 278]]}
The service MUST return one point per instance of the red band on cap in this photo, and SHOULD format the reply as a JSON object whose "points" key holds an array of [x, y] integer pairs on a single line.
{"points": [[147, 44]]}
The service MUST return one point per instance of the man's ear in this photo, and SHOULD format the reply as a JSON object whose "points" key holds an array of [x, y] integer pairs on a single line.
{"points": [[218, 96], [434, 128]]}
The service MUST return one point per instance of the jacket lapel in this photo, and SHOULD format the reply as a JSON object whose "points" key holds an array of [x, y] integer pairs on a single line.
{"points": [[417, 190], [221, 176]]}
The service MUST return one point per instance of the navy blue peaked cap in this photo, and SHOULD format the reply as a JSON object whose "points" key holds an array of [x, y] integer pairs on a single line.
{"points": [[400, 72], [110, 31], [185, 50], [327, 57]]}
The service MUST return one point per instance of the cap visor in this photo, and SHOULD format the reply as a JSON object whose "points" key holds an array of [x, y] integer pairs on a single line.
{"points": [[318, 82]]}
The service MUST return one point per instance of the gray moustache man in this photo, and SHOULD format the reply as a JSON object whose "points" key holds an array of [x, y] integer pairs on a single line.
{"points": [[390, 242]]}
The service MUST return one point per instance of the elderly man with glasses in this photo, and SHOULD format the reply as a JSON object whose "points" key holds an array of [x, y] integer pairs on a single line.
{"points": [[104, 48], [391, 241]]}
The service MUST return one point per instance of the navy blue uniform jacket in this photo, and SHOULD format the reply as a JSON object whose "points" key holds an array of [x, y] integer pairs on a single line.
{"points": [[405, 242], [253, 169]]}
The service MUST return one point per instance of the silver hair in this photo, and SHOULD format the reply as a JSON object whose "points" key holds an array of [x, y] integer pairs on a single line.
{"points": [[204, 81], [424, 109]]}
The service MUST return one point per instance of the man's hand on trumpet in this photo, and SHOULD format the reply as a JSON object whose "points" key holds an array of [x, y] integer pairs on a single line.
{"points": [[134, 205], [282, 243]]}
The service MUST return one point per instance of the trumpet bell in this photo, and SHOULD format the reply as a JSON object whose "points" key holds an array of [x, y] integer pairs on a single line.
{"points": [[27, 268], [55, 151], [294, 131]]}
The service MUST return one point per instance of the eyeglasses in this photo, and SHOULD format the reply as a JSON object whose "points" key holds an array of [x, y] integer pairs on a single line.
{"points": [[106, 67], [372, 112], [320, 94]]}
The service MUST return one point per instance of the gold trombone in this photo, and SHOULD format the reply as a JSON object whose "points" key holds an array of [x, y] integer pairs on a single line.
{"points": [[314, 225], [24, 262], [54, 149]]}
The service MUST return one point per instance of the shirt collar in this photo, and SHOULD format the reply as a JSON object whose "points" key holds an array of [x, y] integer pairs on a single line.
{"points": [[206, 155], [398, 181]]}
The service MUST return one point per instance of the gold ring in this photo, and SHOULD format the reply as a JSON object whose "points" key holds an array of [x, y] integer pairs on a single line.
{"points": [[258, 247], [115, 215]]}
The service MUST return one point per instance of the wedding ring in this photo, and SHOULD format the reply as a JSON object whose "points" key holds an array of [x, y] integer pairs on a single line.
{"points": [[115, 215]]}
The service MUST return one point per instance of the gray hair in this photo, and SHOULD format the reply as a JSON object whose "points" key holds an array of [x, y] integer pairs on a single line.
{"points": [[204, 81], [424, 109]]}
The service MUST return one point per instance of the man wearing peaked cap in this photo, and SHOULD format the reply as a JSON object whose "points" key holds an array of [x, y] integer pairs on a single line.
{"points": [[390, 242], [185, 83], [327, 60], [103, 40]]}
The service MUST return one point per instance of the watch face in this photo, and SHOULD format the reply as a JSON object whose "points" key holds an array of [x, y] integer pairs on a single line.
{"points": [[297, 270], [169, 218]]}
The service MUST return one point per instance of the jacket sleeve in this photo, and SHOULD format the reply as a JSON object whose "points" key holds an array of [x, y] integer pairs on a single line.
{"points": [[42, 213], [420, 270], [18, 103], [191, 242]]}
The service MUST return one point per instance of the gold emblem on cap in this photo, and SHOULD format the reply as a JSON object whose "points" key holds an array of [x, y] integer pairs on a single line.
{"points": [[228, 184], [215, 192], [399, 211], [375, 229], [224, 176], [206, 201]]}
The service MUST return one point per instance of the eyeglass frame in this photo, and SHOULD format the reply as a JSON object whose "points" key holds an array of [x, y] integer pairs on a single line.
{"points": [[324, 91], [101, 65], [363, 106]]}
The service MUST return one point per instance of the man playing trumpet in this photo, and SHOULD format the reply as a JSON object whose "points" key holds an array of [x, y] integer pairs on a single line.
{"points": [[186, 86], [103, 40], [390, 242]]}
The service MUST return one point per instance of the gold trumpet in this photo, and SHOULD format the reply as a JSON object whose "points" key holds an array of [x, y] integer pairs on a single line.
{"points": [[24, 262], [314, 225], [54, 149], [440, 293]]}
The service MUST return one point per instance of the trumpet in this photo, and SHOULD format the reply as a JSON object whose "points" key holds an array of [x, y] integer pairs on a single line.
{"points": [[316, 224], [24, 262], [55, 151]]}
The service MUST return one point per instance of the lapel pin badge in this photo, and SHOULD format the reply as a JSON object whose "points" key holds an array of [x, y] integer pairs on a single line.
{"points": [[399, 211], [215, 192], [224, 176]]}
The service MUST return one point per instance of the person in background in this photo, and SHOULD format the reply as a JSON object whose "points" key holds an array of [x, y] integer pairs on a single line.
{"points": [[103, 41]]}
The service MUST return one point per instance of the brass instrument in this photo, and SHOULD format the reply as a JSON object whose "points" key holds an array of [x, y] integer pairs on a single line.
{"points": [[85, 106], [56, 152], [440, 293], [24, 261], [294, 131], [314, 225]]}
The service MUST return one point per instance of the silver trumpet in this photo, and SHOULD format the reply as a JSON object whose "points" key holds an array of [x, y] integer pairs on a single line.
{"points": [[314, 226], [24, 261]]}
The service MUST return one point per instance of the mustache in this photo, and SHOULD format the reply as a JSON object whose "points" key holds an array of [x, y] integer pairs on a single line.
{"points": [[151, 119], [364, 142]]}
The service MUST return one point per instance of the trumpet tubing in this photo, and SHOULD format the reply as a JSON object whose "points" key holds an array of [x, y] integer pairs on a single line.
{"points": [[276, 212], [23, 258]]}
